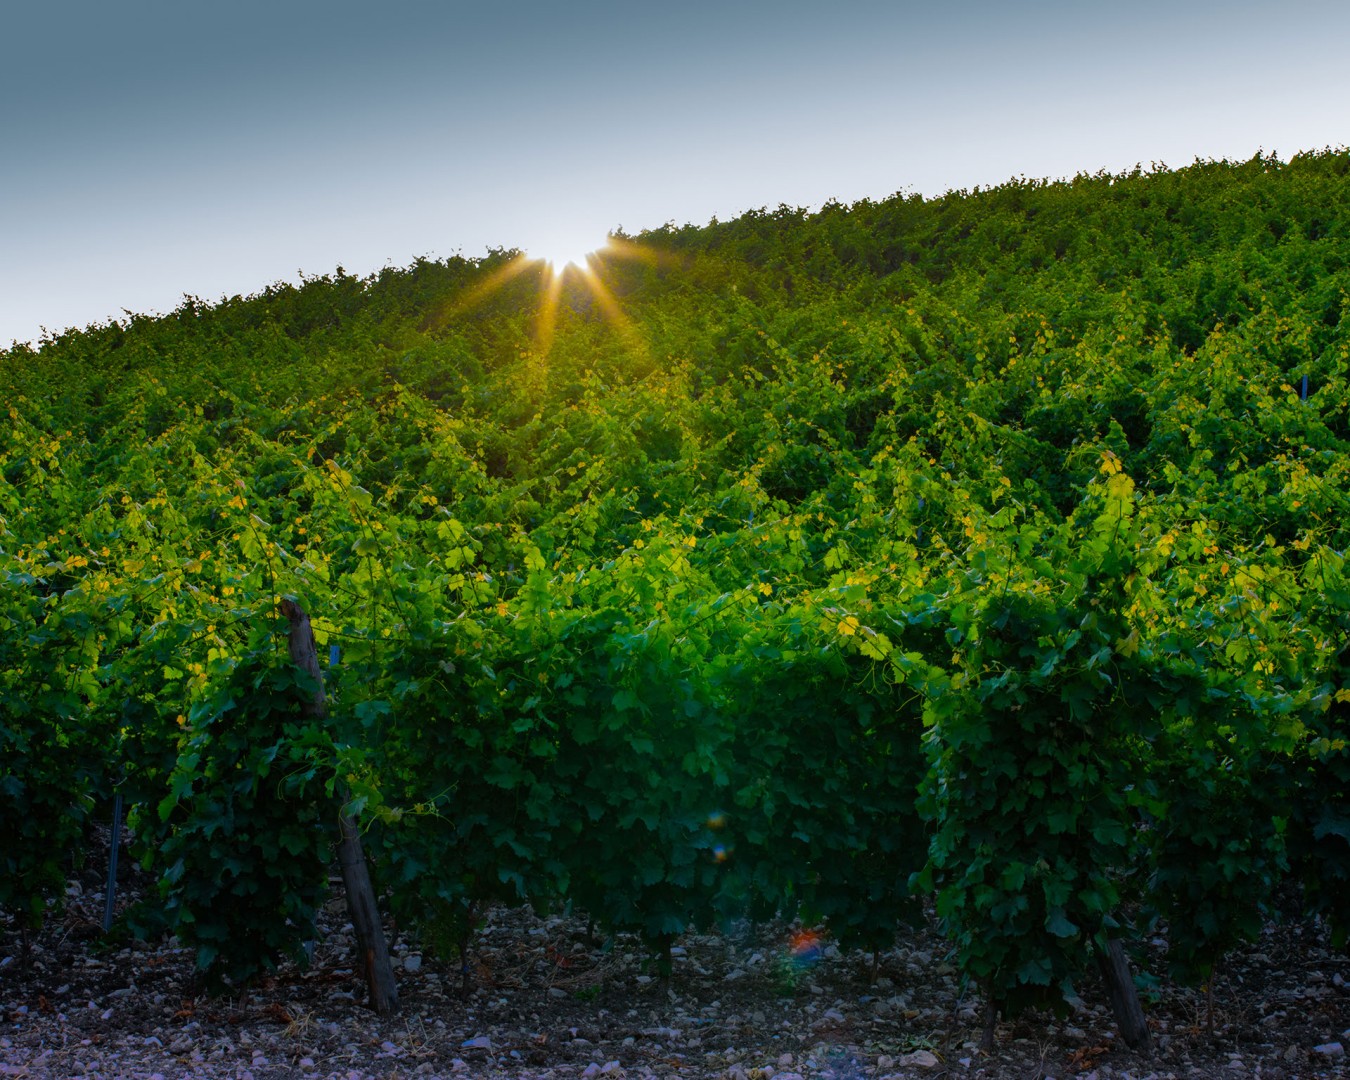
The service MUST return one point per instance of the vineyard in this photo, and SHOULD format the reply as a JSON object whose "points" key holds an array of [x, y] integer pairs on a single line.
{"points": [[983, 553]]}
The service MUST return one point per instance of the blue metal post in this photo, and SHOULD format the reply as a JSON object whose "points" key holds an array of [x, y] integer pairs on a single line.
{"points": [[110, 896]]}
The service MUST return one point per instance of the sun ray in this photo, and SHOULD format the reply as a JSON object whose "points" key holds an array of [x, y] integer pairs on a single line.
{"points": [[546, 322], [586, 272], [609, 307], [623, 248], [480, 292]]}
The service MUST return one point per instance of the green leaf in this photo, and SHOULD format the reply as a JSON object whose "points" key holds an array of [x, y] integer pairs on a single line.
{"points": [[1058, 924]]}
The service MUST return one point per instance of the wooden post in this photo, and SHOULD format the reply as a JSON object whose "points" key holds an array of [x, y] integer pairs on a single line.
{"points": [[990, 1025], [1115, 970], [361, 905]]}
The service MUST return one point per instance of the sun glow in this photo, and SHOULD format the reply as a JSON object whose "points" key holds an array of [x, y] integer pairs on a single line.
{"points": [[561, 258], [565, 274]]}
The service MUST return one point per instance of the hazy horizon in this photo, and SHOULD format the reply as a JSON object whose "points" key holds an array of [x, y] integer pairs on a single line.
{"points": [[155, 151]]}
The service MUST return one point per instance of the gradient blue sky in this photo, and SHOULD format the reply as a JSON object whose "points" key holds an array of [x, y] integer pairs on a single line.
{"points": [[152, 148]]}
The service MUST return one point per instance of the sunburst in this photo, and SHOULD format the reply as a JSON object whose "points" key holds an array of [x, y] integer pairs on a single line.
{"points": [[561, 261], [558, 269]]}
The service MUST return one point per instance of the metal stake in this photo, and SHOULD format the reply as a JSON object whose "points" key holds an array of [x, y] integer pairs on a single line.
{"points": [[111, 894]]}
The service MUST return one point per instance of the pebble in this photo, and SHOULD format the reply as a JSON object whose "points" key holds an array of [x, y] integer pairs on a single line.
{"points": [[755, 1023]]}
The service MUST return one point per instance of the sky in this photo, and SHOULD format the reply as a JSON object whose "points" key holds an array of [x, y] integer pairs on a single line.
{"points": [[151, 149]]}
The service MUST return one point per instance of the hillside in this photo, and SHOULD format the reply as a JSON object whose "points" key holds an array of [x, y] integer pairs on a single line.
{"points": [[982, 554]]}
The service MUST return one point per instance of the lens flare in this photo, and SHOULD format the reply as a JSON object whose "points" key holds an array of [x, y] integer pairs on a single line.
{"points": [[805, 948]]}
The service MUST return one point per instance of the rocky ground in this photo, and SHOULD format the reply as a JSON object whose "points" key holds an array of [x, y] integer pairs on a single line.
{"points": [[545, 1000]]}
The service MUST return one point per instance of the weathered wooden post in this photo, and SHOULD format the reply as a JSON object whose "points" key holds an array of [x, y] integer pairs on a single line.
{"points": [[1129, 1013], [1125, 1004], [361, 906]]}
